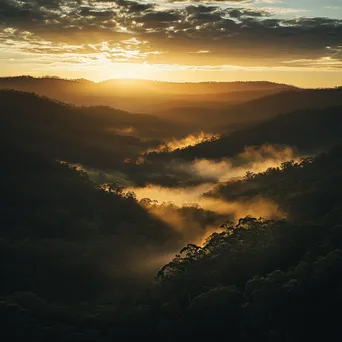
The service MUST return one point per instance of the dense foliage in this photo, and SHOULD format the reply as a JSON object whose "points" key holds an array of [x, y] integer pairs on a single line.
{"points": [[256, 281], [96, 136], [308, 130], [261, 280], [306, 190], [69, 250], [79, 260]]}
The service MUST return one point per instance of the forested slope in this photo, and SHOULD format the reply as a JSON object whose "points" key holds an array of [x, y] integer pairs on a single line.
{"points": [[99, 136], [309, 131], [260, 280]]}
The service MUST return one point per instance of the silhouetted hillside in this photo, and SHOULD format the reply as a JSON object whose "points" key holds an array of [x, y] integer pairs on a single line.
{"points": [[140, 95], [244, 108], [259, 280], [297, 187], [285, 102], [193, 88], [94, 135], [308, 131], [79, 261], [123, 86], [69, 250]]}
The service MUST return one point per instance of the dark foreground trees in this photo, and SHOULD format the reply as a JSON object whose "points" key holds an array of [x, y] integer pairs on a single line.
{"points": [[70, 256], [261, 281], [69, 251]]}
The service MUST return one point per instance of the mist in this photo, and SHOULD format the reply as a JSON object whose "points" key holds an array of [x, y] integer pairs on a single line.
{"points": [[189, 140], [253, 159], [195, 216], [117, 223], [187, 209]]}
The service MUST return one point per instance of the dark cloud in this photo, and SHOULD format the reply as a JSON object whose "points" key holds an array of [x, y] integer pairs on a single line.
{"points": [[135, 7], [243, 12], [161, 16], [206, 1]]}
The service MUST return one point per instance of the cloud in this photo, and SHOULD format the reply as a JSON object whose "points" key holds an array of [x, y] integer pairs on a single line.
{"points": [[226, 1], [232, 34]]}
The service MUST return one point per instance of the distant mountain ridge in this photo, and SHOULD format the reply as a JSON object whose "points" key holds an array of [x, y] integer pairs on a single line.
{"points": [[137, 95], [272, 105], [206, 87], [199, 87]]}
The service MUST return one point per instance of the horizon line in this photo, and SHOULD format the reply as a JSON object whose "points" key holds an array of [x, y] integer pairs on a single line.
{"points": [[55, 77], [140, 79]]}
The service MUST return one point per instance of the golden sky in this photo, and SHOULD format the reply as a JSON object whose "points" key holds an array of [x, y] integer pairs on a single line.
{"points": [[290, 41]]}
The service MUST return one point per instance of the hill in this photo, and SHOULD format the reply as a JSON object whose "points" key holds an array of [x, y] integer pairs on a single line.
{"points": [[91, 135], [306, 130], [239, 109], [193, 88], [285, 102], [140, 95], [255, 280], [79, 261], [297, 187], [69, 250], [259, 280]]}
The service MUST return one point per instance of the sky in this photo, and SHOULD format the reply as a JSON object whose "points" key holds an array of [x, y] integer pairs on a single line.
{"points": [[289, 41]]}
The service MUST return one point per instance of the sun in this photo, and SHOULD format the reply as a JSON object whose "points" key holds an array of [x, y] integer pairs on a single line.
{"points": [[128, 71]]}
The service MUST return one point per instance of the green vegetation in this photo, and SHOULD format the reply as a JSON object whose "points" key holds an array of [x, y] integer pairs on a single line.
{"points": [[66, 248], [262, 280], [80, 260], [306, 190], [309, 131]]}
